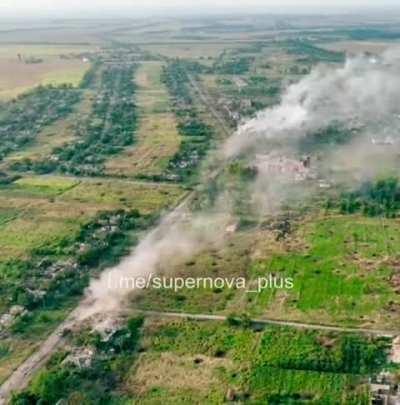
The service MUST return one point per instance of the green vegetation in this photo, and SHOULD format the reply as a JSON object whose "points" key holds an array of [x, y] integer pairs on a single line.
{"points": [[22, 120], [109, 129], [196, 135], [363, 34], [332, 280], [277, 365], [157, 137], [52, 279], [92, 382], [274, 365], [312, 53], [343, 270], [379, 198], [237, 66], [154, 125]]}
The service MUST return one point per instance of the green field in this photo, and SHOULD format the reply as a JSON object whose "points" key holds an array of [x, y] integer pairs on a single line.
{"points": [[342, 267], [46, 210], [203, 361]]}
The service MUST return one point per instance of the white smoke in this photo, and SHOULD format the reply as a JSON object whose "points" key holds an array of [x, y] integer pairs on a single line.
{"points": [[178, 237], [360, 92]]}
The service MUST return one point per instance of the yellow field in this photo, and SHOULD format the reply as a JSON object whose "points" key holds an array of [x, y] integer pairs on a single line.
{"points": [[43, 51], [17, 76], [157, 138]]}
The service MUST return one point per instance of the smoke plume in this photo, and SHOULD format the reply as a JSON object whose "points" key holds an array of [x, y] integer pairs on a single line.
{"points": [[364, 93]]}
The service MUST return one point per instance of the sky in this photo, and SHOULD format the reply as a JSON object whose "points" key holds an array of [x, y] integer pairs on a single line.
{"points": [[85, 8]]}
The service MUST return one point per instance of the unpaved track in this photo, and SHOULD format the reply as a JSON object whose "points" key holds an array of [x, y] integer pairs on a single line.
{"points": [[21, 377], [263, 321], [208, 103]]}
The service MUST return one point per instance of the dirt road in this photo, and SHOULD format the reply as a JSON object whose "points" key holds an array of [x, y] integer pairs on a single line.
{"points": [[21, 377], [208, 103], [263, 321]]}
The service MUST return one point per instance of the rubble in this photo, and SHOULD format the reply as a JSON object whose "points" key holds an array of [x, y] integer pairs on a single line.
{"points": [[17, 310], [384, 389], [395, 352], [8, 319], [81, 358], [231, 228], [297, 170]]}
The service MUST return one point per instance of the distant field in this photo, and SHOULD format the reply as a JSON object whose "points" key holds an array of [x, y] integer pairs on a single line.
{"points": [[17, 76], [360, 46], [46, 210], [44, 51], [190, 50], [157, 138]]}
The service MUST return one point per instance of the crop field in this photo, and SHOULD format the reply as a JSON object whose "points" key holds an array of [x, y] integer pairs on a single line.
{"points": [[157, 138], [23, 68], [17, 78]]}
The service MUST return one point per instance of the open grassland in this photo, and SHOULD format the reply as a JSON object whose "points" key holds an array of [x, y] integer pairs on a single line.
{"points": [[205, 362], [17, 76], [344, 268], [47, 211], [345, 271], [157, 138]]}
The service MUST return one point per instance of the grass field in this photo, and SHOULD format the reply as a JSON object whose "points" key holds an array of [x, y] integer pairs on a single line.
{"points": [[49, 210], [343, 274], [18, 78], [343, 270], [205, 362], [157, 138]]}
